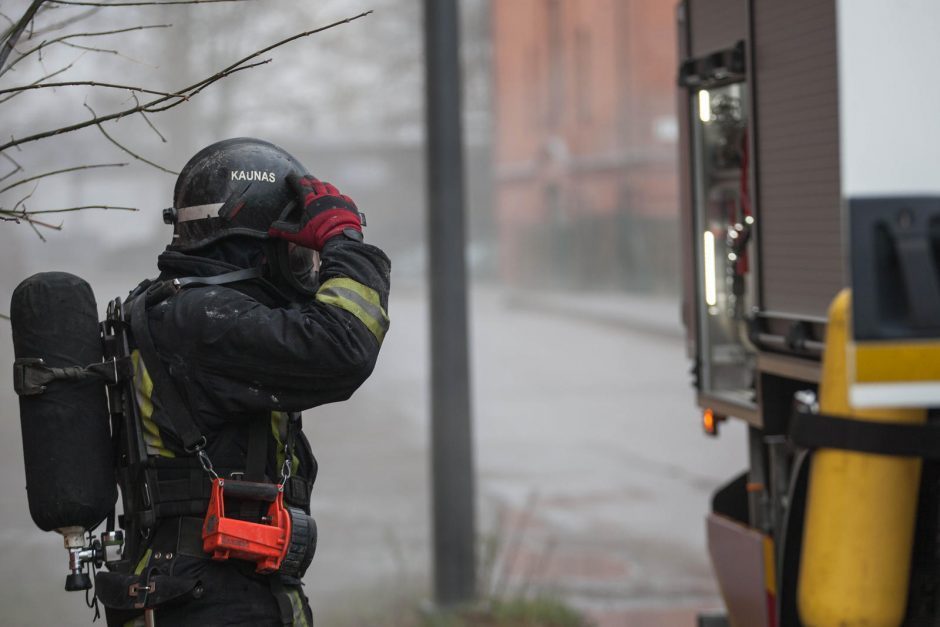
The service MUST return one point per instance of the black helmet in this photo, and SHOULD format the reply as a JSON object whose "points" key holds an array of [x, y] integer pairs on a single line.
{"points": [[233, 187]]}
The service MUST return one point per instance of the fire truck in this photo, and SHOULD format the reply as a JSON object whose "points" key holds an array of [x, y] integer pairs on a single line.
{"points": [[810, 234]]}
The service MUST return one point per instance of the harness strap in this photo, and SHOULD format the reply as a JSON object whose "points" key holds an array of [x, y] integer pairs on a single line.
{"points": [[883, 438], [255, 461], [256, 456], [185, 491], [220, 279], [176, 410]]}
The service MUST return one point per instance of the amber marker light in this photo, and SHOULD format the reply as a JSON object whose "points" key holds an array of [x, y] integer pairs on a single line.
{"points": [[709, 422]]}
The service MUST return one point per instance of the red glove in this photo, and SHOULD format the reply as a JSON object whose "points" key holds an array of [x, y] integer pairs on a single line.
{"points": [[326, 213]]}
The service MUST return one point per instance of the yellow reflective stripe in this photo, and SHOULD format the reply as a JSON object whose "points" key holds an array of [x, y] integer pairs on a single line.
{"points": [[359, 300], [366, 292], [144, 388], [297, 605], [142, 564], [279, 430]]}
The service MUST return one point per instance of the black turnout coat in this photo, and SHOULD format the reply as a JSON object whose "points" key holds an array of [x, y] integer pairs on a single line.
{"points": [[245, 352]]}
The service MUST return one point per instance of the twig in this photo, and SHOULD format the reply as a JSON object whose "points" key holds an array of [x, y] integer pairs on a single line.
{"points": [[16, 164], [32, 224], [54, 172], [278, 44], [90, 48], [39, 85], [17, 30], [148, 107], [82, 208], [32, 27], [116, 53], [30, 86], [192, 90], [155, 105], [22, 201], [26, 216], [49, 42], [29, 216], [4, 316], [126, 149], [147, 120]]}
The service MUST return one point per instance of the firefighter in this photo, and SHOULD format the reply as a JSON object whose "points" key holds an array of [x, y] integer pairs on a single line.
{"points": [[268, 303]]}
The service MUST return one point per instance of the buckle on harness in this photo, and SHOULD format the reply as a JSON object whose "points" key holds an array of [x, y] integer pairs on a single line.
{"points": [[31, 375], [140, 592]]}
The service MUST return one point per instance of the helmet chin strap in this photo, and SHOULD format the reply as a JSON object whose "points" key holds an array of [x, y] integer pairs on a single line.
{"points": [[283, 276]]}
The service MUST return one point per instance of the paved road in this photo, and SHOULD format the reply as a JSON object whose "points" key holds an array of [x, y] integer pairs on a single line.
{"points": [[593, 474]]}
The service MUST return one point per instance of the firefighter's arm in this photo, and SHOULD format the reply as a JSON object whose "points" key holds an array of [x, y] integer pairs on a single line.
{"points": [[290, 358]]}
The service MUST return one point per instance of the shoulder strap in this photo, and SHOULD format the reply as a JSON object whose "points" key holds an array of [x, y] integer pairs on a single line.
{"points": [[176, 410], [152, 293], [220, 279]]}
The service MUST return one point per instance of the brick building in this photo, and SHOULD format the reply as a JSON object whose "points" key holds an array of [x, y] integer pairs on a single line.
{"points": [[585, 157]]}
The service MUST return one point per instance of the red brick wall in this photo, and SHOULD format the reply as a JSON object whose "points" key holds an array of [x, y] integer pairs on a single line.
{"points": [[581, 87]]}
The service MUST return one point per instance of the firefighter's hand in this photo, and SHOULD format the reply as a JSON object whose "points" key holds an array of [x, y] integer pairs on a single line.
{"points": [[324, 213]]}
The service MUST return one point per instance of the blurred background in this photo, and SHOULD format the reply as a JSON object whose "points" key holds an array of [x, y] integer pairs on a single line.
{"points": [[593, 474]]}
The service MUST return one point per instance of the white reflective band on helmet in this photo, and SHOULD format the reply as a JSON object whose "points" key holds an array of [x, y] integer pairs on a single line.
{"points": [[198, 212]]}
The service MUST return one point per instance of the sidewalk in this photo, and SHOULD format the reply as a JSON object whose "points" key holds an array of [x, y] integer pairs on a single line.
{"points": [[612, 544]]}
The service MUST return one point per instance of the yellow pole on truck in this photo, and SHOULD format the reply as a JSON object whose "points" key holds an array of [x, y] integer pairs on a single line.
{"points": [[860, 510]]}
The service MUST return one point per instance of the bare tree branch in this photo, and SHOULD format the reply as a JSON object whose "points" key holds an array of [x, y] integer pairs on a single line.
{"points": [[22, 201], [32, 26], [14, 34], [148, 107], [280, 43], [16, 167], [49, 42], [147, 120], [116, 53], [192, 90], [32, 224], [126, 149], [25, 215], [31, 85], [40, 85], [63, 171], [158, 104], [90, 48], [82, 208]]}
